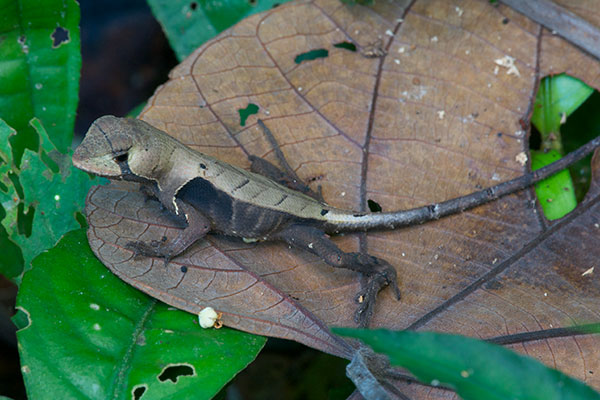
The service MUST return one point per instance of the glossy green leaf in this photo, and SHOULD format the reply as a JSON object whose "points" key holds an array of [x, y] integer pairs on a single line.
{"points": [[39, 69], [43, 204], [91, 336], [189, 23], [475, 369], [556, 194], [557, 98]]}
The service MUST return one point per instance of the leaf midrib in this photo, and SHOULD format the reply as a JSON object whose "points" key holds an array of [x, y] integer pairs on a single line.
{"points": [[120, 382]]}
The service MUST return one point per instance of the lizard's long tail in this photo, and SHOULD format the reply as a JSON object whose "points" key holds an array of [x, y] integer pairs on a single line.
{"points": [[340, 220]]}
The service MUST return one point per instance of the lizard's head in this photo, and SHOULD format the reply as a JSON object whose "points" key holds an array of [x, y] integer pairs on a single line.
{"points": [[123, 148]]}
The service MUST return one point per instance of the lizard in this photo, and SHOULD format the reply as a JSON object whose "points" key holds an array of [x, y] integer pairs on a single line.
{"points": [[213, 196]]}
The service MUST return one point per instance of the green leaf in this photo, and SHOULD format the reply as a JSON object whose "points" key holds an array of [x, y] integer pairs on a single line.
{"points": [[475, 369], [135, 111], [43, 204], [39, 73], [39, 81], [557, 193], [557, 97], [11, 262], [91, 336], [189, 23]]}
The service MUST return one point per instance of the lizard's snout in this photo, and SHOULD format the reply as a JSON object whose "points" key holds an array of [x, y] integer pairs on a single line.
{"points": [[87, 158]]}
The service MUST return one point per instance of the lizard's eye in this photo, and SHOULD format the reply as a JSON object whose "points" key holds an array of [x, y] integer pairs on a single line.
{"points": [[121, 157]]}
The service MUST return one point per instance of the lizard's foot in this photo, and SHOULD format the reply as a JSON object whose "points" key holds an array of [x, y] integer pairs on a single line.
{"points": [[381, 274], [197, 228], [378, 273], [155, 249]]}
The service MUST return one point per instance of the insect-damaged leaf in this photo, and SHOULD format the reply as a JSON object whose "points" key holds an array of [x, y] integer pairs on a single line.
{"points": [[439, 116], [39, 69], [41, 200], [123, 342], [39, 81], [11, 264]]}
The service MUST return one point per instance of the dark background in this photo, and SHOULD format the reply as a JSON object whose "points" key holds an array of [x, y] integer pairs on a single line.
{"points": [[125, 56]]}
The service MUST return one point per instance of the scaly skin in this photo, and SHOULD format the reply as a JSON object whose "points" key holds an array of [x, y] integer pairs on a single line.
{"points": [[215, 196]]}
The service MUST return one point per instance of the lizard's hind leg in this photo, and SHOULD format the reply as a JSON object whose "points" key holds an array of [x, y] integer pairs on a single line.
{"points": [[379, 273], [285, 175]]}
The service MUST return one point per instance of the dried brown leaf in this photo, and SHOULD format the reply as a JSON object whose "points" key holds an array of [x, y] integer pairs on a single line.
{"points": [[436, 118]]}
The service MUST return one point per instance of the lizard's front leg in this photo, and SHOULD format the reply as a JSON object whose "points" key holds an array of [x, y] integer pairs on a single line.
{"points": [[379, 273], [198, 227]]}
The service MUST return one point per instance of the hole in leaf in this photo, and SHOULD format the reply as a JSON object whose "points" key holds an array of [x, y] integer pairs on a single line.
{"points": [[11, 262], [21, 319], [138, 392], [311, 55], [253, 2], [14, 179], [535, 139], [275, 5], [25, 219], [564, 118], [345, 45], [193, 5], [80, 218], [374, 206], [50, 163], [315, 178], [25, 139], [246, 112], [173, 372], [59, 37]]}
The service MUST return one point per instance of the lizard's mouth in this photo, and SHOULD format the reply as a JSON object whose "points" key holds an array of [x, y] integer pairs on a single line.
{"points": [[101, 166]]}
